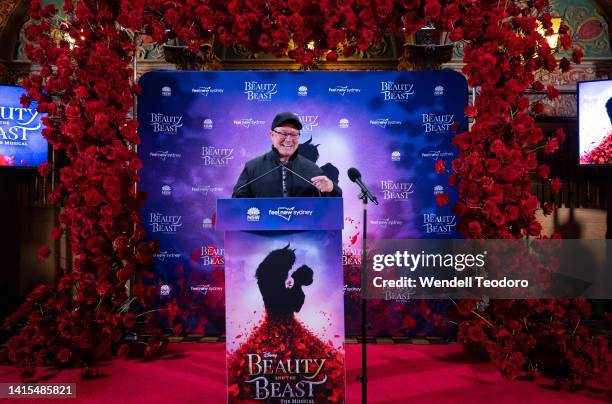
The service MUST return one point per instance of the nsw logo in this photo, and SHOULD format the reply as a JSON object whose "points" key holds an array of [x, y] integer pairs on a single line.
{"points": [[166, 91], [253, 214], [302, 91]]}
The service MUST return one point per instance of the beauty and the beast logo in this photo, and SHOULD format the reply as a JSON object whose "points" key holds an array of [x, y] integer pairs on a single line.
{"points": [[282, 361], [16, 124], [289, 372]]}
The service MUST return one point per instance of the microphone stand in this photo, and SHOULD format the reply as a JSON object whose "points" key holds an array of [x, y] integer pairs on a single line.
{"points": [[364, 380]]}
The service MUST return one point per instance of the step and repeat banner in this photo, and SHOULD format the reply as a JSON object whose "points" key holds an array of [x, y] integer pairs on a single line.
{"points": [[199, 128]]}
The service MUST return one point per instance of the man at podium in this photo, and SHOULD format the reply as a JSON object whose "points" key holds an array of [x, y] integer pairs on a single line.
{"points": [[282, 172]]}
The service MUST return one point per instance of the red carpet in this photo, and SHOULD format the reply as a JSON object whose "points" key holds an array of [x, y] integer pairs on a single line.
{"points": [[195, 373]]}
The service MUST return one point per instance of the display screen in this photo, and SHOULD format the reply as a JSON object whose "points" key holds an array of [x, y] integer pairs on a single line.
{"points": [[595, 122], [21, 141]]}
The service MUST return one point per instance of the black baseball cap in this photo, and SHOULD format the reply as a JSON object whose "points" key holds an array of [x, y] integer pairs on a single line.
{"points": [[284, 117]]}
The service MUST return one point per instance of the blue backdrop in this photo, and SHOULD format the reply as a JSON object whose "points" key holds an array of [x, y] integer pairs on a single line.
{"points": [[199, 128]]}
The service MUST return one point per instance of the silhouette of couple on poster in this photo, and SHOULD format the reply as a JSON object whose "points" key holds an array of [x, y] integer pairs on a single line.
{"points": [[271, 274]]}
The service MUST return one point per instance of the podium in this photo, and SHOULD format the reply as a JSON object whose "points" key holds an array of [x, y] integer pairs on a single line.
{"points": [[284, 291]]}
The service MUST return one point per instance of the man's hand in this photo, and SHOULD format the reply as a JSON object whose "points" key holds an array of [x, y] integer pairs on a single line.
{"points": [[323, 183]]}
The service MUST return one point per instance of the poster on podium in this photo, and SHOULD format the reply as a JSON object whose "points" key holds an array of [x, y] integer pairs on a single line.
{"points": [[285, 317]]}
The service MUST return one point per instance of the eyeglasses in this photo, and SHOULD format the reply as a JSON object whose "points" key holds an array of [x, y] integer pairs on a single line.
{"points": [[287, 134]]}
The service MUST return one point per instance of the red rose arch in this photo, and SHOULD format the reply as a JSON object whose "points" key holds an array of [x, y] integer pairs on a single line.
{"points": [[85, 85]]}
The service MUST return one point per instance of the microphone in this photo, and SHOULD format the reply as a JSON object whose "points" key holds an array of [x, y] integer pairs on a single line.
{"points": [[257, 178], [355, 176], [298, 175]]}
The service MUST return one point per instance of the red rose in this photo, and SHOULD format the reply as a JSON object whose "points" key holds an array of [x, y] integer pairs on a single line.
{"points": [[543, 171], [112, 186], [566, 41], [296, 23], [551, 146], [552, 92], [555, 184], [109, 152], [332, 56], [452, 12], [512, 212], [72, 112], [560, 134], [440, 166], [123, 351], [408, 322], [493, 165], [538, 108], [565, 65], [456, 34], [498, 147], [64, 355], [474, 228], [442, 199], [577, 55], [93, 197], [432, 8], [81, 92], [457, 165], [56, 233], [438, 321], [44, 169], [465, 307], [264, 41], [43, 252], [129, 320], [535, 228]]}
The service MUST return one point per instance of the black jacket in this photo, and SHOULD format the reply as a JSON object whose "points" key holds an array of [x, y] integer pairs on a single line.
{"points": [[270, 185]]}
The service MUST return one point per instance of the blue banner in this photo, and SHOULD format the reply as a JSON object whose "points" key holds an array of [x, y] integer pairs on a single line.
{"points": [[198, 129]]}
